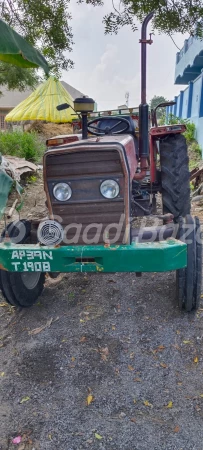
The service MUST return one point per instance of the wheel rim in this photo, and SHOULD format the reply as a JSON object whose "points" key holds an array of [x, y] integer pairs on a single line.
{"points": [[30, 279]]}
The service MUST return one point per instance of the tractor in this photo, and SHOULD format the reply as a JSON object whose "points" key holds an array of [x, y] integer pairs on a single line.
{"points": [[97, 185]]}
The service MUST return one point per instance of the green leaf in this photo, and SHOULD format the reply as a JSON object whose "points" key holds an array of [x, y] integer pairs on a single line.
{"points": [[24, 399], [98, 436]]}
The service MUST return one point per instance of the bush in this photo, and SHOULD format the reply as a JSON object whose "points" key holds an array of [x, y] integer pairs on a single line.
{"points": [[194, 147], [173, 120], [22, 145]]}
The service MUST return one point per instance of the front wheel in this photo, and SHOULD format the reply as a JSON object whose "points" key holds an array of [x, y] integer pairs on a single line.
{"points": [[21, 288], [189, 280]]}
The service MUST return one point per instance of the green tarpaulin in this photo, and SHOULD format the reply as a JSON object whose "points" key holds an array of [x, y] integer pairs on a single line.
{"points": [[16, 50], [6, 184]]}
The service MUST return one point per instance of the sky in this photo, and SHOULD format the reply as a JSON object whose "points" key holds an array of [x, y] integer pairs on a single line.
{"points": [[108, 66]]}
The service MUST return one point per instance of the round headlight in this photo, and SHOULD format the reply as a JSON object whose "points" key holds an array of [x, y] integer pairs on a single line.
{"points": [[62, 192], [109, 189]]}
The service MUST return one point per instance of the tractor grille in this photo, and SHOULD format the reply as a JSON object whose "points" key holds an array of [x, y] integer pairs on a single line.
{"points": [[85, 171]]}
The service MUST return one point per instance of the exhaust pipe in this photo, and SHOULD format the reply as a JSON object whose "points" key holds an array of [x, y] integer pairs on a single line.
{"points": [[144, 108]]}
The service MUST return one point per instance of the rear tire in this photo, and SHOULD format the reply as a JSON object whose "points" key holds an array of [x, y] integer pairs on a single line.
{"points": [[175, 176], [21, 289]]}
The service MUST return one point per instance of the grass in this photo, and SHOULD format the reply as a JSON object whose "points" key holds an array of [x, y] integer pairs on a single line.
{"points": [[22, 145]]}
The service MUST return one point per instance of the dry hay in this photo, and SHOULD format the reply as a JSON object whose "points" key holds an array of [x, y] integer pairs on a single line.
{"points": [[49, 129]]}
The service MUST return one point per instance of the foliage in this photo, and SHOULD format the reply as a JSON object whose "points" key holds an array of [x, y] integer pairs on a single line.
{"points": [[194, 147], [155, 101], [23, 145], [14, 77], [44, 24], [189, 133], [169, 16]]}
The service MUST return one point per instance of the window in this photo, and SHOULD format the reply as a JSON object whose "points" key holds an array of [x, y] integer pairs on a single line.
{"points": [[2, 122]]}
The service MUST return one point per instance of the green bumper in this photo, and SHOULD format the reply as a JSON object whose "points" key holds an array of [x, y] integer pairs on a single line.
{"points": [[138, 257]]}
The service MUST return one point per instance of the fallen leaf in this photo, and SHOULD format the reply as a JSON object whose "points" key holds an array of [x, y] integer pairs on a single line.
{"points": [[161, 347], [2, 374], [176, 429], [196, 359], [64, 340], [17, 440], [50, 436], [83, 339], [163, 365], [133, 420], [147, 403], [113, 327], [178, 332], [24, 399], [134, 401], [130, 368], [98, 436], [180, 383], [132, 355], [201, 395], [89, 399], [137, 380], [104, 353], [73, 358], [187, 342], [81, 320], [170, 405], [38, 330], [202, 296]]}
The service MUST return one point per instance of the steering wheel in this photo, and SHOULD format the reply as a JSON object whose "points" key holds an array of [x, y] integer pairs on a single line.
{"points": [[108, 130]]}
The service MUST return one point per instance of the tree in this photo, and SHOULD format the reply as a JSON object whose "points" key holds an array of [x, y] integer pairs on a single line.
{"points": [[45, 24], [155, 101], [170, 16], [14, 77]]}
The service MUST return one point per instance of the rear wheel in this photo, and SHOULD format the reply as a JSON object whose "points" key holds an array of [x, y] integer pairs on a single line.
{"points": [[189, 280], [21, 288], [175, 176]]}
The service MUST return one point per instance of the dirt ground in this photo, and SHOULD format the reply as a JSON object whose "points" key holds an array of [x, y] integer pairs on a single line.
{"points": [[101, 362]]}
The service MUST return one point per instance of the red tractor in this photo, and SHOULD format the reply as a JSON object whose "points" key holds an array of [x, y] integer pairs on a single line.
{"points": [[96, 187]]}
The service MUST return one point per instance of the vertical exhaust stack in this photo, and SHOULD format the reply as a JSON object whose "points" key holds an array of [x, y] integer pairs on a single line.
{"points": [[144, 108]]}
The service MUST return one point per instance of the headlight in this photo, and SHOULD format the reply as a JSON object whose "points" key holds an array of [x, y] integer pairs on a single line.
{"points": [[62, 192], [109, 189]]}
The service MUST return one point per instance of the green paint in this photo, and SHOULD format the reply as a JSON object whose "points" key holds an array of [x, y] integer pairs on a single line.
{"points": [[145, 257]]}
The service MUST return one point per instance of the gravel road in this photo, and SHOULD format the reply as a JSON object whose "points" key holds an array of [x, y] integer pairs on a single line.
{"points": [[115, 341]]}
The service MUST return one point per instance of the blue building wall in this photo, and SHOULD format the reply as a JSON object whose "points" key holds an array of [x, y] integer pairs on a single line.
{"points": [[189, 105], [185, 104]]}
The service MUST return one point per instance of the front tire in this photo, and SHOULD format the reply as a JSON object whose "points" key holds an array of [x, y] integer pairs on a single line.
{"points": [[21, 289], [175, 176], [189, 280]]}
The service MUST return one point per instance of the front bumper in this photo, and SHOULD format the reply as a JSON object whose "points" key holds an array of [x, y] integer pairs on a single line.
{"points": [[139, 257]]}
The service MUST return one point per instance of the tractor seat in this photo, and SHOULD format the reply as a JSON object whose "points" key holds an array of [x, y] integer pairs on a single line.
{"points": [[107, 122]]}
